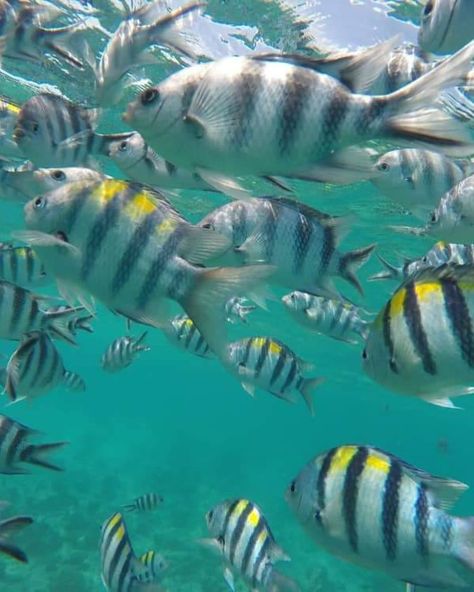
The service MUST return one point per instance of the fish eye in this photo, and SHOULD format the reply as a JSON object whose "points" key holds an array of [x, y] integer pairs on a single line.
{"points": [[383, 166], [293, 487], [58, 175], [220, 540], [39, 202], [123, 146], [208, 226], [428, 8], [149, 96], [35, 127], [210, 514], [434, 217], [364, 354]]}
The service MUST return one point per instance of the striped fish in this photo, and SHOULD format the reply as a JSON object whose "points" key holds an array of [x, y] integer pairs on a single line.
{"points": [[417, 179], [36, 368], [154, 566], [122, 352], [334, 318], [422, 342], [241, 536], [405, 64], [145, 503], [377, 511], [238, 309], [129, 48], [141, 163], [442, 253], [301, 242], [52, 131], [124, 244], [15, 448], [77, 319], [74, 382], [269, 364], [10, 527], [284, 115], [121, 570], [182, 332], [20, 313], [9, 112], [22, 266]]}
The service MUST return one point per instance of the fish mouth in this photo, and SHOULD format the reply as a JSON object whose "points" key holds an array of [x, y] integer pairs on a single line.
{"points": [[18, 134], [62, 236]]}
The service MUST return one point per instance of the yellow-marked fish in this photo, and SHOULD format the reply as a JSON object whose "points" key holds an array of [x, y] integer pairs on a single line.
{"points": [[154, 565], [122, 352], [9, 112], [16, 449], [145, 503], [422, 342], [124, 244], [22, 266], [10, 527], [377, 511], [269, 364], [242, 538], [183, 332]]}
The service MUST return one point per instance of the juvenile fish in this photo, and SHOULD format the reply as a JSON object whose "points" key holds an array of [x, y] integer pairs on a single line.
{"points": [[36, 368], [266, 363], [377, 511], [10, 527], [284, 115], [446, 25], [422, 342], [301, 242], [183, 332], [52, 131], [124, 244], [334, 318], [15, 448], [417, 179], [145, 503], [238, 309], [242, 537], [21, 266], [154, 564], [123, 351]]}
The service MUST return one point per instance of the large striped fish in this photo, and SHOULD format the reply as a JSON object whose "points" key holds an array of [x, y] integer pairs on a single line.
{"points": [[16, 449], [301, 242], [422, 342], [377, 511], [285, 115], [52, 131], [125, 245], [241, 536]]}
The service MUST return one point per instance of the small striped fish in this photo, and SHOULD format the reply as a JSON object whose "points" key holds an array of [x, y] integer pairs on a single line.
{"points": [[54, 132], [36, 368], [15, 448], [417, 179], [183, 332], [269, 364], [145, 503], [238, 309], [154, 566], [77, 319], [422, 342], [122, 352], [375, 510], [139, 162], [405, 64], [334, 318], [22, 266], [241, 536], [299, 241], [121, 570], [10, 527]]}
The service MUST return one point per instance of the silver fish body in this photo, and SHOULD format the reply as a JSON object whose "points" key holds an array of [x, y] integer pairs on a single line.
{"points": [[16, 449], [238, 309], [122, 352], [182, 332], [446, 25], [22, 266], [145, 503], [154, 564], [405, 64], [377, 511], [334, 318], [301, 242], [242, 538], [269, 364]]}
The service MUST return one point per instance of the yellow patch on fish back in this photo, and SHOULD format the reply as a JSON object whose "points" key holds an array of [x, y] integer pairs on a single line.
{"points": [[113, 521], [187, 323], [342, 458], [258, 342], [274, 348], [253, 517], [120, 532], [148, 556], [140, 206], [261, 537], [240, 507], [21, 252], [377, 463], [15, 109], [396, 303], [109, 189], [424, 291], [167, 226]]}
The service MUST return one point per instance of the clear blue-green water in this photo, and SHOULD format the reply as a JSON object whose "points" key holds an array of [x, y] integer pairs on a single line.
{"points": [[183, 427]]}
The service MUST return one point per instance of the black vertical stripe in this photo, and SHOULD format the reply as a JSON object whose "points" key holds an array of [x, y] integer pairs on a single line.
{"points": [[190, 334], [412, 315], [246, 95], [120, 551], [238, 531], [390, 509], [170, 168], [261, 557], [328, 248], [291, 375], [109, 533], [259, 528], [387, 337], [248, 347], [14, 265], [421, 521], [12, 453], [227, 518], [282, 357], [30, 264], [269, 228], [77, 203], [321, 481], [301, 241], [459, 318], [295, 98], [262, 357], [350, 494], [332, 116], [125, 576], [18, 305]]}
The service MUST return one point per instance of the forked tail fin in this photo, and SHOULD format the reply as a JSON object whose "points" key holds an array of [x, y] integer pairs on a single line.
{"points": [[34, 454]]}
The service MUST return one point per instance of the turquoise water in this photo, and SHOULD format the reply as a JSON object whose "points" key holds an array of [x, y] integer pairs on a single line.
{"points": [[183, 427]]}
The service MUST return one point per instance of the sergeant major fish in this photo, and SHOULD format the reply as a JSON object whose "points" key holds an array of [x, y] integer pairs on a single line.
{"points": [[144, 503], [422, 342], [446, 25], [182, 332], [16, 449], [124, 244], [122, 352], [242, 537], [377, 511], [269, 364], [238, 309], [21, 266], [154, 564], [283, 115], [334, 318]]}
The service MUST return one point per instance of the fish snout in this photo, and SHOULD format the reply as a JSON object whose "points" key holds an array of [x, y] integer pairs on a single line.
{"points": [[18, 134]]}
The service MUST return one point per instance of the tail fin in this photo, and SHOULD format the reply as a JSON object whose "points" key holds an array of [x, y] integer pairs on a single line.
{"points": [[82, 323], [391, 273], [9, 527], [306, 388], [277, 582], [63, 42], [62, 323], [74, 382], [34, 452], [140, 344], [205, 302], [351, 261]]}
